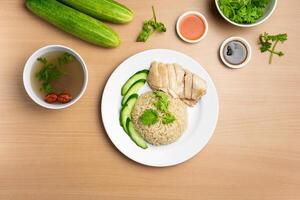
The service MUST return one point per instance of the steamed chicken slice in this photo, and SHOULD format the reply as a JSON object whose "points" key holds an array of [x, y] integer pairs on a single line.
{"points": [[154, 78], [188, 84], [179, 83], [199, 88], [172, 81], [164, 77], [179, 80]]}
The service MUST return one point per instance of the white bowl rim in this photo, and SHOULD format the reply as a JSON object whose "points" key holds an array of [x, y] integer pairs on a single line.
{"points": [[248, 47], [247, 25], [191, 13], [27, 76]]}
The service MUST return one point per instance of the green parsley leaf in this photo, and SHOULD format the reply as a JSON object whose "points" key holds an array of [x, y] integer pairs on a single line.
{"points": [[149, 117], [168, 118]]}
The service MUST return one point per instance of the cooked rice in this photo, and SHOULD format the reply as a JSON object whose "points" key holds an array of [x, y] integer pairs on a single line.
{"points": [[159, 133]]}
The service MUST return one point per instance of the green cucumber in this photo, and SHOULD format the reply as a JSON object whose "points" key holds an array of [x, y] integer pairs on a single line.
{"points": [[126, 110], [134, 78], [135, 136], [74, 22], [107, 10], [133, 89]]}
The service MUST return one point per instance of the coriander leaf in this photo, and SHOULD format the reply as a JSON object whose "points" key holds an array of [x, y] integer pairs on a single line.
{"points": [[146, 32], [160, 27], [47, 87], [65, 59], [161, 95], [265, 47], [264, 41], [42, 60], [162, 103], [282, 37], [150, 26], [168, 118], [149, 117]]}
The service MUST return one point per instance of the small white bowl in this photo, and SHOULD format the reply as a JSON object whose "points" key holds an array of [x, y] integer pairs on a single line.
{"points": [[249, 52], [269, 11], [27, 76], [191, 13]]}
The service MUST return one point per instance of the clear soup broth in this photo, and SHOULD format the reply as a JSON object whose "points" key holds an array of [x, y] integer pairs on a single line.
{"points": [[70, 82]]}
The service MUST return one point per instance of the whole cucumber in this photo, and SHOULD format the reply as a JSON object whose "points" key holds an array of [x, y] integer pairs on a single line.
{"points": [[107, 10], [74, 22]]}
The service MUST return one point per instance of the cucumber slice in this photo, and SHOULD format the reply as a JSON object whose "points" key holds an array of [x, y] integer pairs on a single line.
{"points": [[135, 136], [126, 110], [133, 89], [134, 78]]}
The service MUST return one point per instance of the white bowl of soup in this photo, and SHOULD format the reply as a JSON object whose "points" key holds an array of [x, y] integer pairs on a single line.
{"points": [[55, 77]]}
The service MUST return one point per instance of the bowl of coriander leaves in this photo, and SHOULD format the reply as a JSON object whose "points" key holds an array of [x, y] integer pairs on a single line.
{"points": [[246, 13]]}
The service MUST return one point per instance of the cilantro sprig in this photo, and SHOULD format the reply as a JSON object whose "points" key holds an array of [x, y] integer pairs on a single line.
{"points": [[150, 26], [168, 118], [269, 42], [162, 103]]}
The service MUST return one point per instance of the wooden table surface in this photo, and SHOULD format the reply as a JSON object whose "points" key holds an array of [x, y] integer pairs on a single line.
{"points": [[253, 154]]}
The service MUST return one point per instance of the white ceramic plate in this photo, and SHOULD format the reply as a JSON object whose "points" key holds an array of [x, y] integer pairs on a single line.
{"points": [[202, 117]]}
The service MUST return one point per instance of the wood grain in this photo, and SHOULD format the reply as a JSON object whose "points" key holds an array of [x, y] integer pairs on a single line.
{"points": [[254, 153]]}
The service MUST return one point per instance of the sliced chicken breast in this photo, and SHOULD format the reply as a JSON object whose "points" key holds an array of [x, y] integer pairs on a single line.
{"points": [[164, 76], [172, 81], [188, 84], [179, 83], [199, 88], [179, 80], [154, 77]]}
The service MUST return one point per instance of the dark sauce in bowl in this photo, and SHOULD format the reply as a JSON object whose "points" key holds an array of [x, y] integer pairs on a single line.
{"points": [[235, 52]]}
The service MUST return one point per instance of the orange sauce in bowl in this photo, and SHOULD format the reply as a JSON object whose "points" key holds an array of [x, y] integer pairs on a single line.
{"points": [[192, 27]]}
